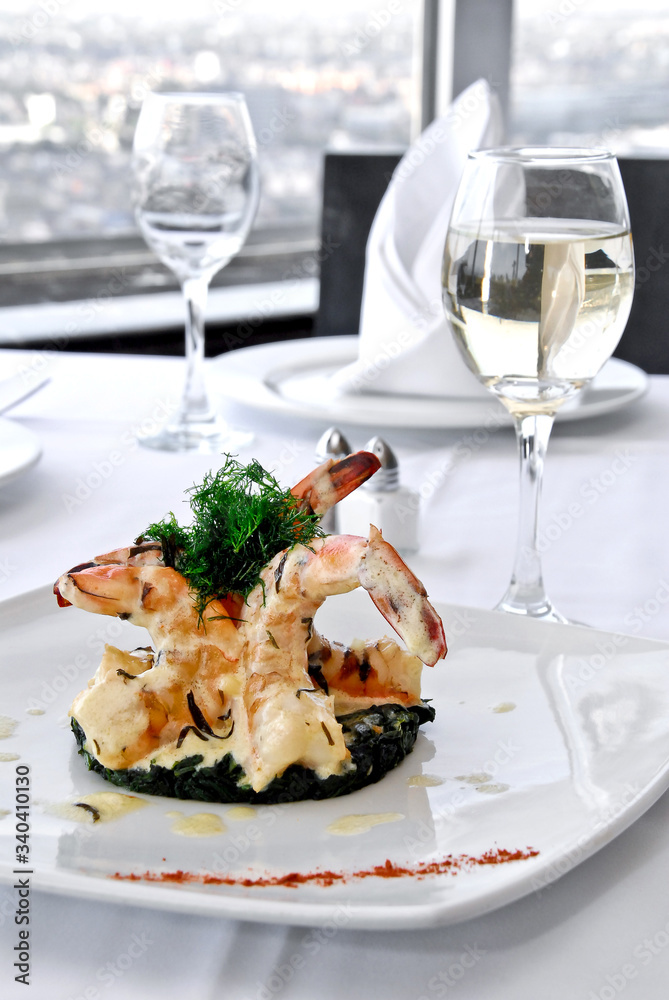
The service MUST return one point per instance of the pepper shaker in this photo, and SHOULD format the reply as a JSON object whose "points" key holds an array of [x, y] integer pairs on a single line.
{"points": [[383, 502], [331, 444]]}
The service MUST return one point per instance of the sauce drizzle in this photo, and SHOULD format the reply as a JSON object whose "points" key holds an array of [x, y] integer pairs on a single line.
{"points": [[349, 826], [197, 824], [7, 726]]}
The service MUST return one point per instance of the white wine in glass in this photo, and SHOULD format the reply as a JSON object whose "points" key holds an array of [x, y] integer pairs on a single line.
{"points": [[196, 193], [538, 279]]}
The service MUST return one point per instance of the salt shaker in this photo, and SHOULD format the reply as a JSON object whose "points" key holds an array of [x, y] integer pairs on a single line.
{"points": [[331, 444], [383, 502]]}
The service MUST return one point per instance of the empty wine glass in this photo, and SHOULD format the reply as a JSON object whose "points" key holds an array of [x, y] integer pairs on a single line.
{"points": [[538, 280], [195, 194]]}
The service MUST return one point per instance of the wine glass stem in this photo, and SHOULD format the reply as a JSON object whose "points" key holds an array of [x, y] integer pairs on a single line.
{"points": [[526, 593], [195, 404]]}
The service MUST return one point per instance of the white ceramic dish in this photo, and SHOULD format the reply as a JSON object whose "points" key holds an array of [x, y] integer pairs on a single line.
{"points": [[20, 449], [293, 377], [584, 752]]}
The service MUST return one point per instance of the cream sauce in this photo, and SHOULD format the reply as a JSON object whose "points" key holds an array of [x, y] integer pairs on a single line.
{"points": [[124, 706], [477, 778], [349, 826], [102, 807], [239, 813], [425, 780], [7, 727], [504, 706], [197, 824]]}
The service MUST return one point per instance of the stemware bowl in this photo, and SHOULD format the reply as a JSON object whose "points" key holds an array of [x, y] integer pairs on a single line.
{"points": [[195, 193], [538, 278]]}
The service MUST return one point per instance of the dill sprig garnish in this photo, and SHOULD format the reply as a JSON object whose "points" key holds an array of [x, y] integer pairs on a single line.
{"points": [[241, 518]]}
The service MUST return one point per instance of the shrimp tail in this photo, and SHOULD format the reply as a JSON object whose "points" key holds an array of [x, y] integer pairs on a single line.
{"points": [[330, 482], [402, 599]]}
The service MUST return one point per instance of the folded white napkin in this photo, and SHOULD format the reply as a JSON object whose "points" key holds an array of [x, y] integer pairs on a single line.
{"points": [[405, 343]]}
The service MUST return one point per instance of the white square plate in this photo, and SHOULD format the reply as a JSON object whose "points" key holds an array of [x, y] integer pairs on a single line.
{"points": [[548, 737]]}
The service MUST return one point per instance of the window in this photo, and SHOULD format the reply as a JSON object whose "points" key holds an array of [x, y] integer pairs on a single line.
{"points": [[343, 74], [591, 72]]}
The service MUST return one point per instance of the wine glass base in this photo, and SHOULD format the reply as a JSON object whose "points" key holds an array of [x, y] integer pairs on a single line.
{"points": [[214, 437], [541, 611]]}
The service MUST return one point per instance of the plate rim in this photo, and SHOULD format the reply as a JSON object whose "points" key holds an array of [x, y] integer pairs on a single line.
{"points": [[246, 376], [401, 916]]}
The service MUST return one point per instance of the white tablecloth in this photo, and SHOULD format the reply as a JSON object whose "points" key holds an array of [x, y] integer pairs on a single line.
{"points": [[601, 930]]}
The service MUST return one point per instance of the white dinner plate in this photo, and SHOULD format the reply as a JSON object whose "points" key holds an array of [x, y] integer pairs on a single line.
{"points": [[19, 450], [549, 740], [293, 377]]}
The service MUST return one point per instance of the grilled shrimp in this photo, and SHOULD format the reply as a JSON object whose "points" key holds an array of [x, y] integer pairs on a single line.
{"points": [[330, 482], [256, 668], [298, 580], [321, 489], [278, 628]]}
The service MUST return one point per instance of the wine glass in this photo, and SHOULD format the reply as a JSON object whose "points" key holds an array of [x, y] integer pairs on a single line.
{"points": [[195, 193], [538, 279]]}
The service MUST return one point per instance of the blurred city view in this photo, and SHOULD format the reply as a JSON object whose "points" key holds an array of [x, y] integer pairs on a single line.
{"points": [[338, 74], [72, 83], [591, 72]]}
